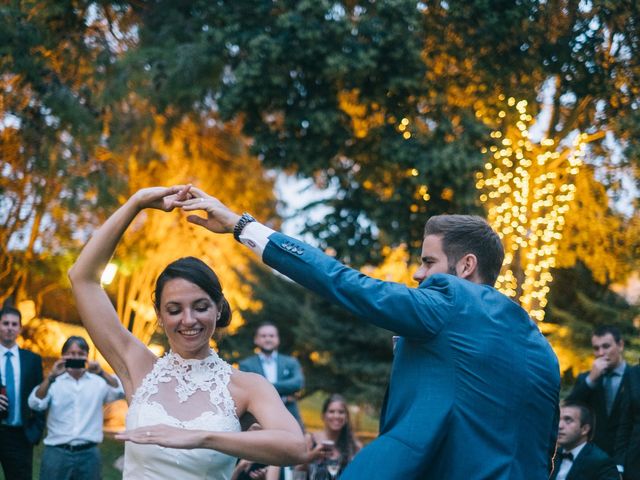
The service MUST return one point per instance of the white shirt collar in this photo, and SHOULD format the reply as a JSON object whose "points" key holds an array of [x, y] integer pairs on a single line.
{"points": [[577, 450], [273, 356], [619, 370], [15, 350]]}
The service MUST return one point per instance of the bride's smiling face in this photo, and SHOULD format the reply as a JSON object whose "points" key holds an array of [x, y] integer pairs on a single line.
{"points": [[188, 316]]}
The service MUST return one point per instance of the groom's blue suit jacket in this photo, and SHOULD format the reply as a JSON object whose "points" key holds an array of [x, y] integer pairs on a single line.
{"points": [[474, 386]]}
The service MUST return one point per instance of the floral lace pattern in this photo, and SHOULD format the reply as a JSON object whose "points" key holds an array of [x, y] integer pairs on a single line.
{"points": [[210, 374], [192, 394]]}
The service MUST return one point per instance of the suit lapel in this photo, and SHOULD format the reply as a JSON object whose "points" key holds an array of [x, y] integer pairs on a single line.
{"points": [[580, 463], [23, 380], [258, 366], [280, 367], [23, 370], [621, 391]]}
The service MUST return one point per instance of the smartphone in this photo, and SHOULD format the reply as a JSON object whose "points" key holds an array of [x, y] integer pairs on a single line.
{"points": [[75, 363]]}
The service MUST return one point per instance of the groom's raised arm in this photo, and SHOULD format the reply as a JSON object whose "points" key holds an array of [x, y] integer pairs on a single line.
{"points": [[408, 311], [393, 306]]}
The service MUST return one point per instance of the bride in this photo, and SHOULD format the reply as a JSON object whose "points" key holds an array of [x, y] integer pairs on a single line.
{"points": [[183, 407]]}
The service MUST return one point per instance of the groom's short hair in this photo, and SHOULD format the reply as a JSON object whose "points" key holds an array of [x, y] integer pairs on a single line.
{"points": [[464, 234]]}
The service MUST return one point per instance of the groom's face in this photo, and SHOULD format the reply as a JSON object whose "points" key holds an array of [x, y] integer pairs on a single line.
{"points": [[434, 260]]}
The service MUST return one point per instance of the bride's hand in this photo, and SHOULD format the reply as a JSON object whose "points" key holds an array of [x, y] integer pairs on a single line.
{"points": [[161, 198], [163, 435]]}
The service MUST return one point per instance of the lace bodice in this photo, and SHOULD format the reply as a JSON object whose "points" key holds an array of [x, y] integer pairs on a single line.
{"points": [[185, 393]]}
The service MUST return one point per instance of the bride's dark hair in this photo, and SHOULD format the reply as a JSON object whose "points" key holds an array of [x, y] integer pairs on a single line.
{"points": [[194, 270]]}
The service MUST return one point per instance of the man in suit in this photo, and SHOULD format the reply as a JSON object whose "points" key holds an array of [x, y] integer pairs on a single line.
{"points": [[21, 372], [604, 387], [578, 458], [474, 384], [628, 434], [284, 372]]}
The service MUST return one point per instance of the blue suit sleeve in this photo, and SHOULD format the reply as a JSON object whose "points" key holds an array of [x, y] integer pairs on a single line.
{"points": [[411, 312]]}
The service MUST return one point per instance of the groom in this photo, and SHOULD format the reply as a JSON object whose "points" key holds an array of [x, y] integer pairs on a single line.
{"points": [[474, 385]]}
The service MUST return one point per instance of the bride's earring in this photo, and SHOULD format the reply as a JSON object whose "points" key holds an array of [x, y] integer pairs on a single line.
{"points": [[218, 316]]}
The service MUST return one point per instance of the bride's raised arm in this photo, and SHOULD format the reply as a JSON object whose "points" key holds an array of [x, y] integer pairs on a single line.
{"points": [[129, 357]]}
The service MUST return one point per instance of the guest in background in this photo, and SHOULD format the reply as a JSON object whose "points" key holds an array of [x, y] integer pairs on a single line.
{"points": [[578, 458], [282, 371], [335, 443], [74, 394], [603, 388], [20, 371]]}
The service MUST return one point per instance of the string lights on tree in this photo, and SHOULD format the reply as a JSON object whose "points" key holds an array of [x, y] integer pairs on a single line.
{"points": [[527, 187]]}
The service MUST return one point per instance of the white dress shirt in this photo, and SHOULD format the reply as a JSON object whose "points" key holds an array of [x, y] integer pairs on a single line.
{"points": [[256, 236], [566, 464], [75, 408], [270, 366], [15, 361]]}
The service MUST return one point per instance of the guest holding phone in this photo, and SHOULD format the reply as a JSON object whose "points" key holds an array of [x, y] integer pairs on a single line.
{"points": [[333, 447], [74, 393]]}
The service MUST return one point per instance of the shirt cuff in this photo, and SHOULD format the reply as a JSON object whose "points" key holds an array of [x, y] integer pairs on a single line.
{"points": [[38, 404], [256, 236], [589, 383]]}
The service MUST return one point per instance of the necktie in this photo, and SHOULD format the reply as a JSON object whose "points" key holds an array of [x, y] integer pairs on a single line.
{"points": [[11, 387], [609, 391]]}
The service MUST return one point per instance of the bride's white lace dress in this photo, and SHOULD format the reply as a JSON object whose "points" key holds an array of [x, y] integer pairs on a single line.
{"points": [[191, 394]]}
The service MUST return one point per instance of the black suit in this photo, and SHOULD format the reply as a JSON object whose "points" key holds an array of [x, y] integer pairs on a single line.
{"points": [[590, 464], [16, 443], [606, 427], [628, 441]]}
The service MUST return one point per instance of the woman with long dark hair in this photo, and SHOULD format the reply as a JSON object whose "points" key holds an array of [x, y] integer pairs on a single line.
{"points": [[333, 447], [190, 399]]}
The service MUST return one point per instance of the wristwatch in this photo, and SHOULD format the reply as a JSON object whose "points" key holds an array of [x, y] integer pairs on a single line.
{"points": [[245, 219]]}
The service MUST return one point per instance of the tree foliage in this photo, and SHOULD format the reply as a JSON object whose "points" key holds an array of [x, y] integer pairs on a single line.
{"points": [[387, 103]]}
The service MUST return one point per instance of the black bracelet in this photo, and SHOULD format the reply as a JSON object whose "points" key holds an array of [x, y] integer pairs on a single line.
{"points": [[245, 219]]}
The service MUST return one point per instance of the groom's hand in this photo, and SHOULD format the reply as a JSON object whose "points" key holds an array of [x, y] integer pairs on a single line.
{"points": [[219, 219]]}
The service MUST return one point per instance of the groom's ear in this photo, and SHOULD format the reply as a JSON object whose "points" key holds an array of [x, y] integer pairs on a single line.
{"points": [[467, 266]]}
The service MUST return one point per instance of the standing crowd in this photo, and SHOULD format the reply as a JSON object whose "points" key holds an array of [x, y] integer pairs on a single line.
{"points": [[473, 393]]}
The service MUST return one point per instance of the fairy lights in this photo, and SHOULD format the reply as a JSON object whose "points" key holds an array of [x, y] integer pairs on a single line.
{"points": [[526, 188]]}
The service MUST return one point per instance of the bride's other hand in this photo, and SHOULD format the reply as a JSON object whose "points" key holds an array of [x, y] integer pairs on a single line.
{"points": [[161, 198], [163, 435]]}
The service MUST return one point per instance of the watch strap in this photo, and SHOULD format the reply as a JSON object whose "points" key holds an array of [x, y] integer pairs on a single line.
{"points": [[245, 219]]}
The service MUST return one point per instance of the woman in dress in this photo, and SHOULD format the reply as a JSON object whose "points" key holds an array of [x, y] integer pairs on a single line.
{"points": [[188, 400], [335, 443]]}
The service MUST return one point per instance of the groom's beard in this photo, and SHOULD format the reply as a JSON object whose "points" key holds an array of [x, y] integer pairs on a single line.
{"points": [[267, 352], [452, 270]]}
